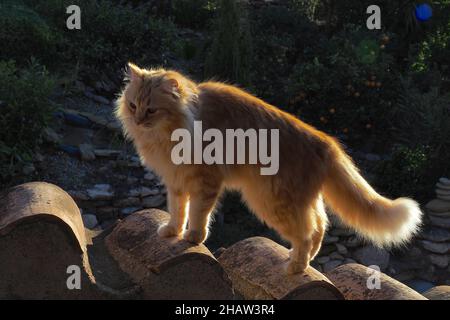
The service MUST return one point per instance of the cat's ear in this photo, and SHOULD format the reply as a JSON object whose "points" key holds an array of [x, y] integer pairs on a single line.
{"points": [[134, 73], [171, 85]]}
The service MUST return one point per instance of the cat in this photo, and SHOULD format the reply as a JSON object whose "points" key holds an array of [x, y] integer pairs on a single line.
{"points": [[313, 167]]}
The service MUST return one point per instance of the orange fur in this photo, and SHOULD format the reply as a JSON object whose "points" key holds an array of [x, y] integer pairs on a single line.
{"points": [[312, 165]]}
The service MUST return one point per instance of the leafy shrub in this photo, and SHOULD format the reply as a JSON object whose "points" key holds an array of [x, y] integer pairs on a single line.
{"points": [[405, 173], [346, 85], [434, 52], [23, 33], [230, 54], [423, 117], [24, 112], [111, 34], [193, 13], [279, 35]]}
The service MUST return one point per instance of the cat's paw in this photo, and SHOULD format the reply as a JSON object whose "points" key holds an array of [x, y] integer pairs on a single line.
{"points": [[195, 236], [167, 230], [295, 267]]}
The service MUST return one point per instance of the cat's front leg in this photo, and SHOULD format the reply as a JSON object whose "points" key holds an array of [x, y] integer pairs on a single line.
{"points": [[177, 202], [200, 207]]}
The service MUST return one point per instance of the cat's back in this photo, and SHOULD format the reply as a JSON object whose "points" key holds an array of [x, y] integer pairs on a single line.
{"points": [[224, 107], [230, 105]]}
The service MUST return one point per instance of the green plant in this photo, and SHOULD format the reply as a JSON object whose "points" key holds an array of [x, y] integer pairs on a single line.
{"points": [[423, 117], [24, 113], [230, 54], [23, 33], [405, 173], [346, 84], [193, 13]]}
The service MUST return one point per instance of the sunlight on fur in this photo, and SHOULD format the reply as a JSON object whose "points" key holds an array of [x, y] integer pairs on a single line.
{"points": [[312, 165]]}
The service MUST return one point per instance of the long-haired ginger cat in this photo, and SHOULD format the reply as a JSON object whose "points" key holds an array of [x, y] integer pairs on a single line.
{"points": [[313, 167]]}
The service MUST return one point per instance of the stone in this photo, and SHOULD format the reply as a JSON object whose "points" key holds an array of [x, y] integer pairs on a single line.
{"points": [[439, 222], [96, 98], [353, 242], [106, 213], [341, 248], [330, 265], [442, 186], [153, 201], [349, 260], [439, 260], [419, 285], [39, 157], [370, 255], [326, 250], [323, 259], [330, 239], [128, 211], [127, 202], [443, 192], [78, 195], [114, 126], [133, 164], [121, 177], [51, 136], [442, 197], [445, 181], [100, 203], [86, 152], [100, 192], [336, 256], [142, 192], [89, 221], [439, 214], [28, 169], [132, 180], [149, 176], [342, 232], [149, 192], [107, 153], [436, 234], [436, 247], [438, 205], [109, 223]]}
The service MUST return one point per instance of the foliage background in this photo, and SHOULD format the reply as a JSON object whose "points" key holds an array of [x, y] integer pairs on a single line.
{"points": [[379, 91]]}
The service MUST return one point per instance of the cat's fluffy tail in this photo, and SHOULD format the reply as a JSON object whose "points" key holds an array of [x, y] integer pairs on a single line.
{"points": [[383, 221]]}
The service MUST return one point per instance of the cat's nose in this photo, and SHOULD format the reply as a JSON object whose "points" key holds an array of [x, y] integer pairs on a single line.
{"points": [[139, 121]]}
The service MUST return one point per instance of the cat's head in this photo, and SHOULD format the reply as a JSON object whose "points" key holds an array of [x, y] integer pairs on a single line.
{"points": [[154, 98]]}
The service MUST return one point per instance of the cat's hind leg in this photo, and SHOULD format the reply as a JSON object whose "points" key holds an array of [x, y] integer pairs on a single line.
{"points": [[300, 234], [320, 227]]}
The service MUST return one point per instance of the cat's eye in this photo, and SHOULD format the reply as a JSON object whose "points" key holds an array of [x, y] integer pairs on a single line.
{"points": [[150, 111], [132, 106]]}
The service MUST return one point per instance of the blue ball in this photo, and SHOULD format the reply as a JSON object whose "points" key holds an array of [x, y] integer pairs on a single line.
{"points": [[423, 12]]}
